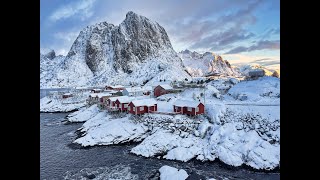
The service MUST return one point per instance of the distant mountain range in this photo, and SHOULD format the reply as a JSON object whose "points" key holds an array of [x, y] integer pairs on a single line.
{"points": [[207, 63]]}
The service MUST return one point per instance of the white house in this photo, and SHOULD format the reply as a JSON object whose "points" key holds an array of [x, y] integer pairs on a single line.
{"points": [[133, 91]]}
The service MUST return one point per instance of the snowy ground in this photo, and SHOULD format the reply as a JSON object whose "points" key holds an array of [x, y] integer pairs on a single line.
{"points": [[83, 114], [234, 132], [48, 104]]}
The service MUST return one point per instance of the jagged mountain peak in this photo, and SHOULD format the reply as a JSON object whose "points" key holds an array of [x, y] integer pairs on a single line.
{"points": [[137, 50], [51, 54], [186, 51]]}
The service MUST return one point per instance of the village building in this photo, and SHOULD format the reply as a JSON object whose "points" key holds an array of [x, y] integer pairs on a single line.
{"points": [[142, 106], [188, 107], [114, 92], [162, 89], [111, 103], [122, 102], [96, 90], [147, 90], [115, 88], [133, 91], [67, 95], [103, 97]]}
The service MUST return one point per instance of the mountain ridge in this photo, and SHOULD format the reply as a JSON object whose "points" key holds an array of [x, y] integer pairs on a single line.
{"points": [[137, 50]]}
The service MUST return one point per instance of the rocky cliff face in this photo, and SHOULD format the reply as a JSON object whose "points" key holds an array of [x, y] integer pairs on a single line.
{"points": [[201, 64], [138, 50]]}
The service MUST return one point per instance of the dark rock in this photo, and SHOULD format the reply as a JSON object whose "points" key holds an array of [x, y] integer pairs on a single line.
{"points": [[51, 55], [90, 176], [194, 176]]}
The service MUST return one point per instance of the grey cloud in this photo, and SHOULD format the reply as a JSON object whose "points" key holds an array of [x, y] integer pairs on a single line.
{"points": [[267, 61], [264, 44], [230, 26], [271, 31], [222, 39]]}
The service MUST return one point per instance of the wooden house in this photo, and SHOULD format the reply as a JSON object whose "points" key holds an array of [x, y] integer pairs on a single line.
{"points": [[162, 89], [103, 97], [111, 103], [188, 107], [122, 102], [133, 91], [142, 106]]}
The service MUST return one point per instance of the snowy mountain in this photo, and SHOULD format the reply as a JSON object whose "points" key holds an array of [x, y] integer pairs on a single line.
{"points": [[201, 64], [138, 50]]}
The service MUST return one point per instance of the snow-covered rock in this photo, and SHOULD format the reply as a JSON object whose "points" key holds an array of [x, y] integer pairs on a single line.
{"points": [[138, 50], [105, 131], [83, 114], [171, 173], [263, 89], [48, 104]]}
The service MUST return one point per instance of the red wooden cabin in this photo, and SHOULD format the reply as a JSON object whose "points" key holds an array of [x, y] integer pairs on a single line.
{"points": [[111, 103], [188, 107], [142, 106], [122, 102], [162, 89]]}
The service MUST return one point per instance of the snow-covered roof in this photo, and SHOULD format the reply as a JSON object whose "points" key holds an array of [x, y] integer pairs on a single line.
{"points": [[144, 102], [81, 88], [166, 86], [96, 89], [67, 94], [125, 99], [186, 103], [134, 89], [148, 88], [116, 86], [114, 98]]}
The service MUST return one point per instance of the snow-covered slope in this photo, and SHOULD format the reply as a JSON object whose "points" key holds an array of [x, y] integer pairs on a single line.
{"points": [[49, 63], [245, 69], [138, 50], [201, 64]]}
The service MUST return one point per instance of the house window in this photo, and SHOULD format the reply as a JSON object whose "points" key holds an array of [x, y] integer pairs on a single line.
{"points": [[128, 108], [141, 108], [197, 109], [189, 109], [134, 108], [125, 105]]}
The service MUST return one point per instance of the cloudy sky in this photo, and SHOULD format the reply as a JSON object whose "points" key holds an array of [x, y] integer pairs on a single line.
{"points": [[242, 31]]}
